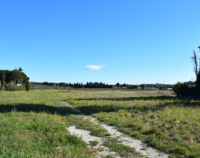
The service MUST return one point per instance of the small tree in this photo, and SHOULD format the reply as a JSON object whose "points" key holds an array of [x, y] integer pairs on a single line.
{"points": [[54, 85], [117, 84], [27, 85], [3, 81]]}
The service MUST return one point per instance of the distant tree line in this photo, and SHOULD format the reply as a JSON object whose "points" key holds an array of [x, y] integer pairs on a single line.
{"points": [[104, 85], [76, 85], [14, 80]]}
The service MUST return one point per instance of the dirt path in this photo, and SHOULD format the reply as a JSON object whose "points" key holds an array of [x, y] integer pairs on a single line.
{"points": [[101, 151], [138, 145]]}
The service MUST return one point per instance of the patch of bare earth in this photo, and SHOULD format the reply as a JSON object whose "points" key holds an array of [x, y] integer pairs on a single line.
{"points": [[138, 145], [133, 143], [100, 150]]}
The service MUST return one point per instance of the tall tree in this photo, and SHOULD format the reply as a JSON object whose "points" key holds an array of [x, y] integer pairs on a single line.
{"points": [[197, 73], [195, 62], [20, 69], [27, 85]]}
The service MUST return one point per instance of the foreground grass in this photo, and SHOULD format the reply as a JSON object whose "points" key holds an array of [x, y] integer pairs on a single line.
{"points": [[34, 125], [38, 135], [125, 151], [39, 120], [164, 122]]}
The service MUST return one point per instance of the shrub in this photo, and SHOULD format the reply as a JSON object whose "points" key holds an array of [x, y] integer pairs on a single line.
{"points": [[181, 89], [11, 86], [19, 88], [185, 90], [176, 89]]}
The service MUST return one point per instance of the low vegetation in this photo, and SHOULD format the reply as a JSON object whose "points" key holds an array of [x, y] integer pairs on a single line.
{"points": [[38, 135], [124, 151], [35, 122], [34, 125], [164, 122]]}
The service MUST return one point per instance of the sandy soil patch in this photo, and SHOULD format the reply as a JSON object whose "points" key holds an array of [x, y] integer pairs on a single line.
{"points": [[101, 151]]}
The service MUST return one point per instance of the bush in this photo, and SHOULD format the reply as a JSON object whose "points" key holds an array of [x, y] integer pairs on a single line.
{"points": [[176, 89], [13, 87], [181, 89], [19, 88], [185, 90]]}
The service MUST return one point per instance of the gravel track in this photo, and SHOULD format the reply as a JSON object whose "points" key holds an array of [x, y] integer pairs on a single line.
{"points": [[138, 145]]}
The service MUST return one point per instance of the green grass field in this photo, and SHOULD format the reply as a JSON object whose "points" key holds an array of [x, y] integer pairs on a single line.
{"points": [[33, 124], [157, 118]]}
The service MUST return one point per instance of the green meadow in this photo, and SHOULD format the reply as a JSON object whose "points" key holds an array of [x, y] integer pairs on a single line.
{"points": [[157, 118], [34, 123]]}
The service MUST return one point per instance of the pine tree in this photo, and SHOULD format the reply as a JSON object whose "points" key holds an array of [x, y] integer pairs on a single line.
{"points": [[20, 69], [27, 85]]}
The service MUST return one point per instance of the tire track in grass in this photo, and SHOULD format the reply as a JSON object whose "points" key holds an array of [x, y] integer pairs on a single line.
{"points": [[138, 145], [101, 151]]}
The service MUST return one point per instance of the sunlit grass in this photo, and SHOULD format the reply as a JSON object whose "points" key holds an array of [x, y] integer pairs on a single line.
{"points": [[34, 124], [157, 118], [166, 123], [38, 135]]}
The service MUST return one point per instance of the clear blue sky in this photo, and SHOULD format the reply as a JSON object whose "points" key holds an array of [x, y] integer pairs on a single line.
{"points": [[126, 41]]}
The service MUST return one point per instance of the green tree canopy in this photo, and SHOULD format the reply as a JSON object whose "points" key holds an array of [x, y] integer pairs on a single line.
{"points": [[17, 76]]}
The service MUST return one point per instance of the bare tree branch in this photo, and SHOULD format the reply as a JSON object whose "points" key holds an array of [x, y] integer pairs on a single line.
{"points": [[195, 62]]}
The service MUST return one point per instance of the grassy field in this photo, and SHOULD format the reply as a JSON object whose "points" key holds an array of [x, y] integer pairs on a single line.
{"points": [[157, 118], [34, 123]]}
